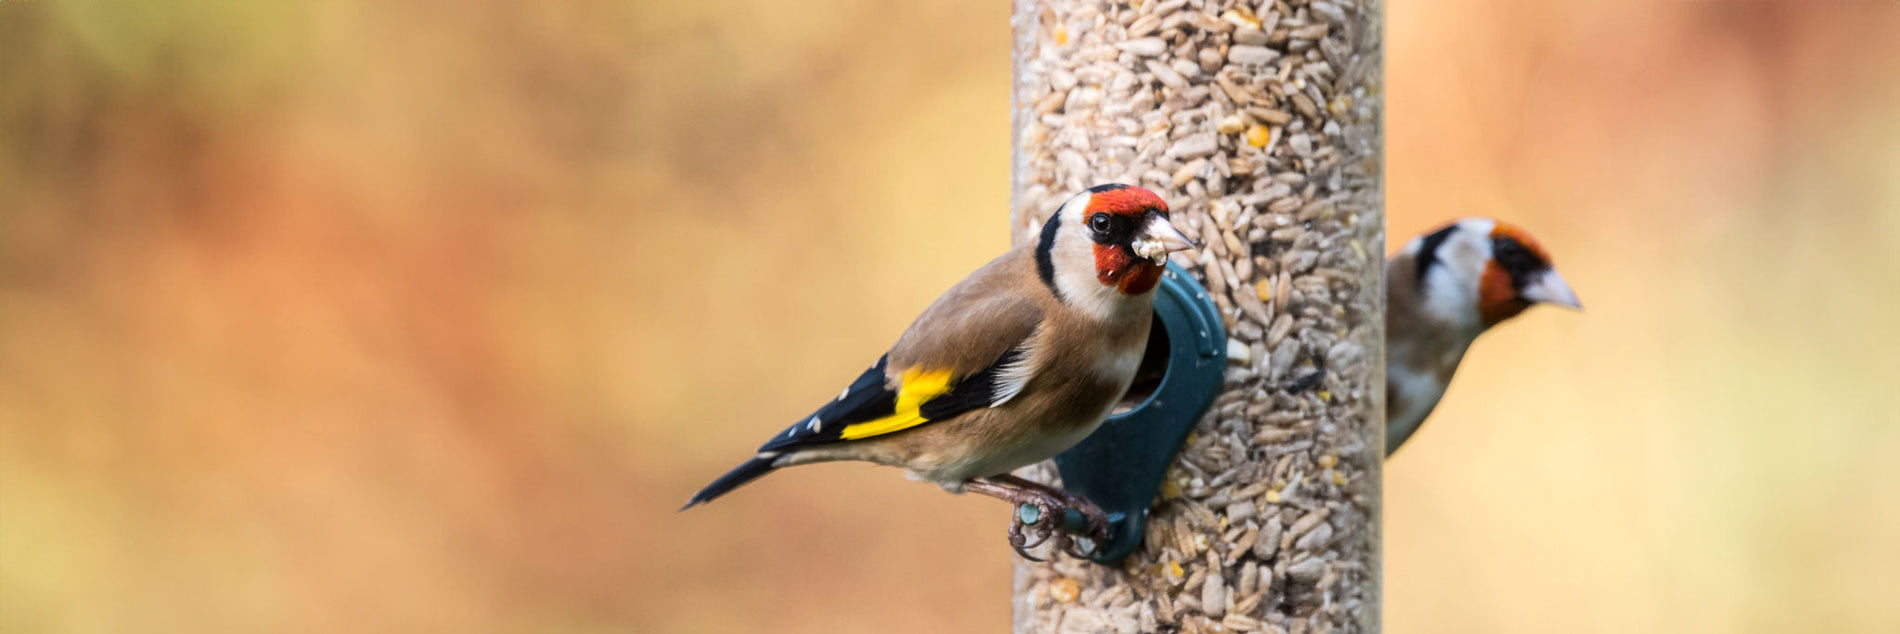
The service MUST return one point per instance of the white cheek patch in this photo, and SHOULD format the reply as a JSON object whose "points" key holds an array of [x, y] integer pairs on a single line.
{"points": [[1449, 297], [1075, 276], [1452, 286]]}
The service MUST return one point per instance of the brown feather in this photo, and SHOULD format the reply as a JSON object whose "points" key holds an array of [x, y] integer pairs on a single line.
{"points": [[976, 322]]}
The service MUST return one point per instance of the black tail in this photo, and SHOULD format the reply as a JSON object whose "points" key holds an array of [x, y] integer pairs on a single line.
{"points": [[733, 479]]}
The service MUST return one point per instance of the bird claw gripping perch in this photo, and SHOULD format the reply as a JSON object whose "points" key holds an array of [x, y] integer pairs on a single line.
{"points": [[1079, 529], [1045, 514]]}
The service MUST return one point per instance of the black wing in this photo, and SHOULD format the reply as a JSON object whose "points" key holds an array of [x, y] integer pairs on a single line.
{"points": [[871, 399]]}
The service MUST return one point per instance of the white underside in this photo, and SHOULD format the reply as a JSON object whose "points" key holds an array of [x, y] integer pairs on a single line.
{"points": [[1420, 392], [1024, 455]]}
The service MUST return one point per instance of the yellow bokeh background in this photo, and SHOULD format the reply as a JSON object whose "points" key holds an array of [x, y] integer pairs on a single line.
{"points": [[425, 316]]}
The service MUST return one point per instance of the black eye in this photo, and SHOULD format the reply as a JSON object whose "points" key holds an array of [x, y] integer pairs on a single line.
{"points": [[1098, 223]]}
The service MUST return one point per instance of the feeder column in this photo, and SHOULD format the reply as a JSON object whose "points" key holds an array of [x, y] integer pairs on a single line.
{"points": [[1260, 124]]}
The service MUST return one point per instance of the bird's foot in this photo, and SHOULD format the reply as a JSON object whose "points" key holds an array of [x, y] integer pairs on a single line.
{"points": [[1030, 520], [1037, 519], [1040, 512]]}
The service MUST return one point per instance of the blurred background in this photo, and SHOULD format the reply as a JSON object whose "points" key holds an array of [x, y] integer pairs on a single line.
{"points": [[426, 316]]}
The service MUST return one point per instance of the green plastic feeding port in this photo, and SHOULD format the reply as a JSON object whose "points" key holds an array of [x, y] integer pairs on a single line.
{"points": [[1120, 466]]}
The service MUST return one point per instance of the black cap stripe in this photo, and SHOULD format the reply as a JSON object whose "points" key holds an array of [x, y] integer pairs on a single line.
{"points": [[1428, 251], [1045, 253]]}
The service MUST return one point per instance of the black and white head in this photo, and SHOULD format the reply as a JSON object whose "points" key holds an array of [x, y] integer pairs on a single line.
{"points": [[1107, 245], [1478, 272]]}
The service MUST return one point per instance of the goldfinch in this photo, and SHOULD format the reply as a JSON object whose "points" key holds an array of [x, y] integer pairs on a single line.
{"points": [[1443, 290], [1016, 363]]}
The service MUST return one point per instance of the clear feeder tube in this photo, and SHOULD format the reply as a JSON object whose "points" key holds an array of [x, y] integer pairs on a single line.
{"points": [[1260, 124]]}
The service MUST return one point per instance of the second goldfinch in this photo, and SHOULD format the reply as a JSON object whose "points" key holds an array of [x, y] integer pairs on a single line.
{"points": [[1011, 366], [1443, 290]]}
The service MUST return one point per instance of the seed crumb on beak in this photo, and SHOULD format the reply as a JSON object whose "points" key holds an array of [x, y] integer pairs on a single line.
{"points": [[1159, 238], [1151, 250]]}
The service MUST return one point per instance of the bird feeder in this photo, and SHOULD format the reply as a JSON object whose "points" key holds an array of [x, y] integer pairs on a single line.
{"points": [[1260, 124]]}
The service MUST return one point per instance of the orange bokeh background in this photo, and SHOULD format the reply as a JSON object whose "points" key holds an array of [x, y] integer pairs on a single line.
{"points": [[425, 316]]}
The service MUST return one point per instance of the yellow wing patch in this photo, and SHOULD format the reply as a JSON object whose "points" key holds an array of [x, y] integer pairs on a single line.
{"points": [[916, 387]]}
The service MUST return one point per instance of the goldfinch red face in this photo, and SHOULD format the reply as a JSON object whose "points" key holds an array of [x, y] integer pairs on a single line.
{"points": [[1120, 236], [1485, 271], [1519, 274]]}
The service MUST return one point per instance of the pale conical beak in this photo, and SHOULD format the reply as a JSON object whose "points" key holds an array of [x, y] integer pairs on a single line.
{"points": [[1550, 288], [1158, 238]]}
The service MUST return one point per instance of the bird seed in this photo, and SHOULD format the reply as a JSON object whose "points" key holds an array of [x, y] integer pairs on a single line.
{"points": [[1259, 122]]}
